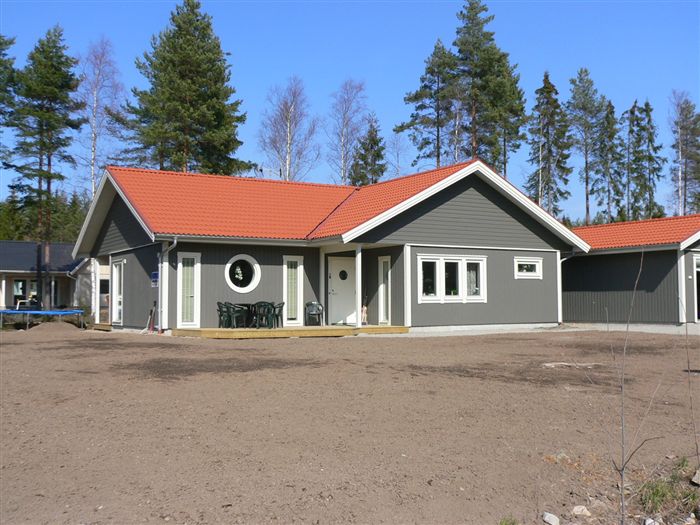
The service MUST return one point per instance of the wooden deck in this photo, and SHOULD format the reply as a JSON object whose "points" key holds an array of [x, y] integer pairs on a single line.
{"points": [[275, 333]]}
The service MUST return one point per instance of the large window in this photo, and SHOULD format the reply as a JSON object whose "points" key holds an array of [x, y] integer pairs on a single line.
{"points": [[451, 279], [527, 267], [293, 290], [242, 273]]}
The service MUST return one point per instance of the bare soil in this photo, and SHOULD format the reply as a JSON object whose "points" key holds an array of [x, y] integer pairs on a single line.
{"points": [[125, 428]]}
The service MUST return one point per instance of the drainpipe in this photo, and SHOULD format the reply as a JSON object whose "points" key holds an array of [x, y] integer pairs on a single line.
{"points": [[161, 271]]}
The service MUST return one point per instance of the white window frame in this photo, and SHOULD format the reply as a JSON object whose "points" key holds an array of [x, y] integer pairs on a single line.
{"points": [[299, 321], [537, 261], [113, 296], [256, 273], [696, 268], [440, 297], [381, 307], [197, 289]]}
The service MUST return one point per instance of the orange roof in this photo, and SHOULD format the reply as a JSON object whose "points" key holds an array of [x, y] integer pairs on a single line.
{"points": [[179, 203], [671, 230]]}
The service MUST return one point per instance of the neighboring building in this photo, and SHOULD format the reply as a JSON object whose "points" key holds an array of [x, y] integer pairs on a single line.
{"points": [[18, 274], [453, 246], [598, 286]]}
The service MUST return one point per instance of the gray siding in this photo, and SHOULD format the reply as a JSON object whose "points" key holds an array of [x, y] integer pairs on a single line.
{"points": [[691, 283], [120, 231], [600, 287], [508, 300], [469, 213], [138, 295], [213, 282], [370, 283]]}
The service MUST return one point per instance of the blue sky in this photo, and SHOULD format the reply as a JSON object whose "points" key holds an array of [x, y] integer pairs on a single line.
{"points": [[634, 49]]}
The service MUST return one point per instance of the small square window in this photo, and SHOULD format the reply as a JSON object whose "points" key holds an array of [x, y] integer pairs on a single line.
{"points": [[527, 267]]}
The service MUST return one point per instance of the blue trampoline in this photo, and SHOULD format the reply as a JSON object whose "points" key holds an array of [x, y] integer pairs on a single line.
{"points": [[52, 313]]}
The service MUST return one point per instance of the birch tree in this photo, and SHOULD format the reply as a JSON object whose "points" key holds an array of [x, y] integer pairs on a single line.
{"points": [[101, 92], [345, 126], [288, 133]]}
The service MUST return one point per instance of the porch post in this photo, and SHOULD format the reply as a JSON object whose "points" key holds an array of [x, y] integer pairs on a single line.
{"points": [[358, 286], [322, 284], [53, 291], [95, 281], [2, 293]]}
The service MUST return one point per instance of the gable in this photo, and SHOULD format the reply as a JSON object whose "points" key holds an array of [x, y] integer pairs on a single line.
{"points": [[469, 213], [120, 230]]}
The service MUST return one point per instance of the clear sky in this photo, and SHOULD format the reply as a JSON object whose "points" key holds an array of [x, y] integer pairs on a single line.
{"points": [[634, 49]]}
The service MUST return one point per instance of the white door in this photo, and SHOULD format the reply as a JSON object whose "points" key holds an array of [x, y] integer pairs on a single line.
{"points": [[341, 290], [188, 290], [293, 290], [117, 292], [384, 291]]}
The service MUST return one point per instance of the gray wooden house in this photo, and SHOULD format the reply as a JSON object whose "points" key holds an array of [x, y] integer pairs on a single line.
{"points": [[454, 246], [598, 285]]}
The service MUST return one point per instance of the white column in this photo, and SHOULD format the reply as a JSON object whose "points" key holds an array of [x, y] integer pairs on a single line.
{"points": [[559, 289], [2, 293], [95, 283], [407, 285], [163, 278], [358, 286], [53, 293], [322, 283], [681, 287]]}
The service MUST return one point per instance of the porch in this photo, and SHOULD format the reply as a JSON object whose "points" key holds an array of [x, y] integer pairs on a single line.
{"points": [[278, 333]]}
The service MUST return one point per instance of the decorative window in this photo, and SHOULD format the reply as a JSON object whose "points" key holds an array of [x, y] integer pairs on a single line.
{"points": [[527, 267], [242, 273], [452, 279]]}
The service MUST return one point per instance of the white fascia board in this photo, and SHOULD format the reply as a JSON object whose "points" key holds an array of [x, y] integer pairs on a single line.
{"points": [[88, 217], [493, 179], [148, 231], [690, 240], [635, 249]]}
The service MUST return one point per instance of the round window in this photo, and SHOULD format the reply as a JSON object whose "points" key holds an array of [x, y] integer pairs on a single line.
{"points": [[242, 273], [343, 275]]}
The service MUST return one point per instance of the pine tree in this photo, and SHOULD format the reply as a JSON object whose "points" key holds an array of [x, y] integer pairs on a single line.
{"points": [[606, 152], [652, 162], [44, 123], [629, 122], [186, 119], [584, 110], [432, 112], [369, 165], [486, 88], [550, 144], [7, 81], [686, 147]]}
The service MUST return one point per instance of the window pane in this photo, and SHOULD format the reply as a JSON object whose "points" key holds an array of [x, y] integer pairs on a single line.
{"points": [[187, 290], [473, 278], [241, 273], [429, 272], [292, 289], [451, 278], [527, 268]]}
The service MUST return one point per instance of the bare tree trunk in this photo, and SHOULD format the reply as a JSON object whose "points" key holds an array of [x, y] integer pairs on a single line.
{"points": [[587, 186], [473, 126], [288, 157]]}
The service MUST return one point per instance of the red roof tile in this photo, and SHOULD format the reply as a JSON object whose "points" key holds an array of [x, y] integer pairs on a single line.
{"points": [[179, 203], [671, 230]]}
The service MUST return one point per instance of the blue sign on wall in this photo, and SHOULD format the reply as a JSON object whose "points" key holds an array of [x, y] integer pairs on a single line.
{"points": [[154, 279]]}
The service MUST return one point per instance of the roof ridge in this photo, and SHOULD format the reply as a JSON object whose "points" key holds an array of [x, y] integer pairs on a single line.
{"points": [[231, 177], [404, 177], [657, 219], [347, 197]]}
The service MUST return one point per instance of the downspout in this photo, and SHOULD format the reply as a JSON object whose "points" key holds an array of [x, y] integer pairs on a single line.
{"points": [[161, 255]]}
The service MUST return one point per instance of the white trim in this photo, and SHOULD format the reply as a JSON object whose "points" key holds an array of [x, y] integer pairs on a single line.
{"points": [[95, 281], [381, 307], [197, 289], [537, 261], [470, 247], [407, 297], [696, 270], [682, 305], [164, 279], [440, 296], [2, 292], [690, 240], [560, 315], [300, 290], [112, 296], [321, 284], [88, 217], [494, 180], [131, 208], [254, 282], [635, 249], [358, 286]]}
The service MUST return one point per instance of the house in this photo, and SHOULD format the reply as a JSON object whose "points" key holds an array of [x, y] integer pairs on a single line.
{"points": [[18, 274], [453, 246], [598, 286]]}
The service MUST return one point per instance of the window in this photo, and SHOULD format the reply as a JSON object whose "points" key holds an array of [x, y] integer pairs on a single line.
{"points": [[189, 276], [293, 290], [527, 267], [452, 279], [242, 273]]}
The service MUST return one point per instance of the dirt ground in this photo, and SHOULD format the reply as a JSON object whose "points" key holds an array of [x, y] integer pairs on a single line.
{"points": [[124, 428]]}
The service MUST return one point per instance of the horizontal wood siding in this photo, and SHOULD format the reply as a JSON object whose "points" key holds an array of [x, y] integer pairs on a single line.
{"points": [[469, 213], [138, 295], [214, 287], [598, 288], [509, 301], [370, 283], [120, 231]]}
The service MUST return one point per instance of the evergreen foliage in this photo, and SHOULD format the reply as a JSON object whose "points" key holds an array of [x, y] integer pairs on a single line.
{"points": [[550, 145], [44, 124], [606, 180], [186, 119], [369, 165], [585, 109], [686, 148], [7, 81]]}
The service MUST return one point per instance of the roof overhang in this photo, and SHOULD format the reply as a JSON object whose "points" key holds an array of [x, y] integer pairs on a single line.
{"points": [[494, 180], [97, 213], [634, 249], [690, 240]]}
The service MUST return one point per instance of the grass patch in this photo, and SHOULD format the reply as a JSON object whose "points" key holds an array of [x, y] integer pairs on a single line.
{"points": [[508, 521], [671, 496]]}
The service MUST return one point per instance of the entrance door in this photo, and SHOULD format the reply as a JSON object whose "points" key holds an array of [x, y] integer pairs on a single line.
{"points": [[384, 291], [117, 292], [341, 290]]}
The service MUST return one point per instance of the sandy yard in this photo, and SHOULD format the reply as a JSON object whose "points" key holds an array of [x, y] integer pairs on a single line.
{"points": [[124, 428]]}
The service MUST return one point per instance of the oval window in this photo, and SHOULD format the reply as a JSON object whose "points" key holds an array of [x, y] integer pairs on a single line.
{"points": [[242, 273], [343, 275]]}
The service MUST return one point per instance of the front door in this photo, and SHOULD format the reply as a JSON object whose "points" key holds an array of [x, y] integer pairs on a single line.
{"points": [[188, 289], [341, 290], [117, 292]]}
